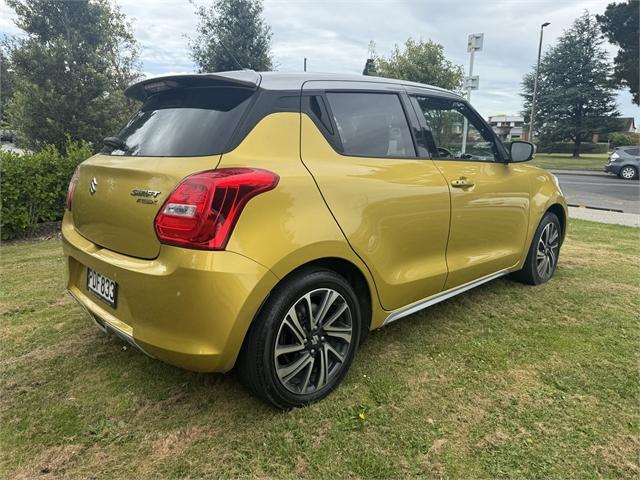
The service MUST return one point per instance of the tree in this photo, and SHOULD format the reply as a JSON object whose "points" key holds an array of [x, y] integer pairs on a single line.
{"points": [[620, 24], [70, 71], [419, 61], [6, 86], [232, 35], [575, 92]]}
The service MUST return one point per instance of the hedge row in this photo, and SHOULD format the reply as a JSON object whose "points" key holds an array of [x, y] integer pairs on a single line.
{"points": [[567, 147], [33, 186], [620, 139]]}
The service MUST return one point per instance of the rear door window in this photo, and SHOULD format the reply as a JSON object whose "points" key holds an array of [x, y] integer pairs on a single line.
{"points": [[184, 122], [371, 124]]}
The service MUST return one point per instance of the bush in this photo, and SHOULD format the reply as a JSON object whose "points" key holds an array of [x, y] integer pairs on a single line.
{"points": [[34, 186], [619, 139], [567, 147]]}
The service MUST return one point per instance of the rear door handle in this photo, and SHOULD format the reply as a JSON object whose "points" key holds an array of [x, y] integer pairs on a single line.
{"points": [[462, 182]]}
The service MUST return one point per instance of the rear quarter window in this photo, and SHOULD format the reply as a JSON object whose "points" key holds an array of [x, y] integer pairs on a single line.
{"points": [[185, 122]]}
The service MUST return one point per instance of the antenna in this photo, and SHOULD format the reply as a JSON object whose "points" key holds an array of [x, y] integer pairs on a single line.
{"points": [[231, 55]]}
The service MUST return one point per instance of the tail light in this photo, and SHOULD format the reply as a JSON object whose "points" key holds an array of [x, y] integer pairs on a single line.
{"points": [[72, 188], [203, 210]]}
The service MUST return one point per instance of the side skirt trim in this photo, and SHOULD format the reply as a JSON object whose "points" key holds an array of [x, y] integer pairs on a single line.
{"points": [[439, 297]]}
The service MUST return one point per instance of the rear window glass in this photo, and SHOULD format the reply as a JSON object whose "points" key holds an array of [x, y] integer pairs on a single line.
{"points": [[371, 124], [184, 123]]}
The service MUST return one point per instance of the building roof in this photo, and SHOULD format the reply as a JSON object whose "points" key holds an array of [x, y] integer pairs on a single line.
{"points": [[506, 118], [252, 79], [628, 124]]}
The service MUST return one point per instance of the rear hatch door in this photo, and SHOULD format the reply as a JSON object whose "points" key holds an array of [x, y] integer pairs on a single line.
{"points": [[182, 128]]}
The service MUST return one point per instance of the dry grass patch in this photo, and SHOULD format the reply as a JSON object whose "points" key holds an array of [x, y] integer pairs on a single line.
{"points": [[50, 463], [621, 453]]}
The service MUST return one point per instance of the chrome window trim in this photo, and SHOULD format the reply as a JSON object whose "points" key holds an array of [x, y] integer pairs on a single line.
{"points": [[439, 297]]}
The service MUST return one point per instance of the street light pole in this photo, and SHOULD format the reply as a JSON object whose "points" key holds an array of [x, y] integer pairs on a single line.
{"points": [[474, 44], [465, 127], [535, 84]]}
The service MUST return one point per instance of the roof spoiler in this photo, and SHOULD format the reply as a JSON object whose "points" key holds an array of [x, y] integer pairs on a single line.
{"points": [[239, 78]]}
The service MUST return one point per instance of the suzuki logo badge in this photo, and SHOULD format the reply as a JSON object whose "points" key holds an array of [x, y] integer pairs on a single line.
{"points": [[93, 186]]}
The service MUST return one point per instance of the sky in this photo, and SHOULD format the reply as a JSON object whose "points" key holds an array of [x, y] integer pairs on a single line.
{"points": [[334, 35]]}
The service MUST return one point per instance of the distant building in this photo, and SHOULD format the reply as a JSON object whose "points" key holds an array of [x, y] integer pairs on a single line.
{"points": [[620, 125], [508, 127], [627, 125]]}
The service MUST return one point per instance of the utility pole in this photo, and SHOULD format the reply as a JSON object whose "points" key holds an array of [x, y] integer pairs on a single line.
{"points": [[471, 82], [305, 64], [535, 84]]}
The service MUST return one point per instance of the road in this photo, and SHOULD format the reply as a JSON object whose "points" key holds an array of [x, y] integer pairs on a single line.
{"points": [[601, 190]]}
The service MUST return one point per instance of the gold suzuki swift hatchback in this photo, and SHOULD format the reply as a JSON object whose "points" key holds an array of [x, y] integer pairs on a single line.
{"points": [[269, 221]]}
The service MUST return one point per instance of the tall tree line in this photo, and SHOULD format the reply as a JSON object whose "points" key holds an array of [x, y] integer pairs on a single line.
{"points": [[576, 94], [65, 77], [69, 70], [620, 23], [231, 35]]}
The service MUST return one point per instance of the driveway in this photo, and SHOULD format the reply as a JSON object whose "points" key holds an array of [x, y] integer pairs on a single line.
{"points": [[594, 189]]}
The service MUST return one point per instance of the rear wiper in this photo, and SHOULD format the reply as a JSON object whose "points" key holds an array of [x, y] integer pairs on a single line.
{"points": [[116, 142]]}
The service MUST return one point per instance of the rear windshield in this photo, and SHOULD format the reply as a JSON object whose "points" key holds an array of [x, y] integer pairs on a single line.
{"points": [[184, 123]]}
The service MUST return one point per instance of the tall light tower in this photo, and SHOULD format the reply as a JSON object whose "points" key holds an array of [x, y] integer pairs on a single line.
{"points": [[535, 84], [471, 82]]}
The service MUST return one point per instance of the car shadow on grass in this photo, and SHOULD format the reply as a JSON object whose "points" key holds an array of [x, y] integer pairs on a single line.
{"points": [[155, 382]]}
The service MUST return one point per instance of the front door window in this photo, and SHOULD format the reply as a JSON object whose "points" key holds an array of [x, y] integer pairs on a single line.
{"points": [[455, 132]]}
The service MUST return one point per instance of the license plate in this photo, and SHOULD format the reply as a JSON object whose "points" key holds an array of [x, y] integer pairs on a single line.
{"points": [[102, 287]]}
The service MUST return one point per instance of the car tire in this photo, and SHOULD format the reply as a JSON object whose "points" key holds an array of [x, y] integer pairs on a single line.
{"points": [[628, 172], [290, 358], [542, 258]]}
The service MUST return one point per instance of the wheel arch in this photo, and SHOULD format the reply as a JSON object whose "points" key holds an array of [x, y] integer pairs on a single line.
{"points": [[351, 273], [559, 212], [355, 277], [346, 269]]}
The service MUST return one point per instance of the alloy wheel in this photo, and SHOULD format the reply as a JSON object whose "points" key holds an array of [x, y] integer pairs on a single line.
{"points": [[313, 341], [628, 173], [547, 251]]}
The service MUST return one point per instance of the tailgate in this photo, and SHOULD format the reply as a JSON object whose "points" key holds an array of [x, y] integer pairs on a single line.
{"points": [[117, 198]]}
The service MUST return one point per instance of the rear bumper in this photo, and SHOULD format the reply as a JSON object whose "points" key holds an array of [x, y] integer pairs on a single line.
{"points": [[108, 327], [188, 308], [612, 168]]}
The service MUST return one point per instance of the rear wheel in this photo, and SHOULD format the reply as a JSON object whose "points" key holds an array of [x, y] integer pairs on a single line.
{"points": [[542, 259], [303, 341], [628, 172]]}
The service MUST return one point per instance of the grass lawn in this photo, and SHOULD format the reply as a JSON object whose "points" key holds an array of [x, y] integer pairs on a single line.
{"points": [[562, 161], [503, 381]]}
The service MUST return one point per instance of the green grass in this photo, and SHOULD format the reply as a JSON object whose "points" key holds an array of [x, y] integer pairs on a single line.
{"points": [[503, 381], [587, 161]]}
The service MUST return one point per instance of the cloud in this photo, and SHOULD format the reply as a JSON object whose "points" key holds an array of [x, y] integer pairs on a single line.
{"points": [[334, 36]]}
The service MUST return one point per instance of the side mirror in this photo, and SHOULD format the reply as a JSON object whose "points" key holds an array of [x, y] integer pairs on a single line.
{"points": [[520, 151]]}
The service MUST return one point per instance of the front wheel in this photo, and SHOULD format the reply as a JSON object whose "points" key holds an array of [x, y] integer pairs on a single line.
{"points": [[542, 259], [628, 173], [302, 343]]}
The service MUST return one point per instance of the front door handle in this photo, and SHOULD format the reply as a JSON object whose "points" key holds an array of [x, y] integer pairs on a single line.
{"points": [[462, 182]]}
